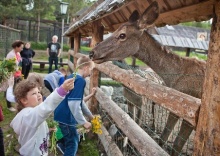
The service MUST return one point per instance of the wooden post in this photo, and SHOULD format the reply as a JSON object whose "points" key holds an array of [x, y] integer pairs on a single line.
{"points": [[187, 52], [97, 36], [72, 42], [76, 46], [133, 64], [207, 139]]}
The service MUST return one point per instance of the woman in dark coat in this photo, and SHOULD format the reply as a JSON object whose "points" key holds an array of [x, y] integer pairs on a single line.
{"points": [[27, 54]]}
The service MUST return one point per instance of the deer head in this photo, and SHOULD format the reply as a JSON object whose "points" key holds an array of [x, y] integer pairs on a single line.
{"points": [[125, 40]]}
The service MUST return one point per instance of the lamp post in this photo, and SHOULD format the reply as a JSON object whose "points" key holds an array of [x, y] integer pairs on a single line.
{"points": [[63, 10]]}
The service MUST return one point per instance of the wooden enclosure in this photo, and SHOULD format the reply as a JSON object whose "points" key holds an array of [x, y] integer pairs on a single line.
{"points": [[202, 114]]}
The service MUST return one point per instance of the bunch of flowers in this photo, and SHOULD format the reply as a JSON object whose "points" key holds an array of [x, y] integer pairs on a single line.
{"points": [[53, 139], [96, 126], [6, 68]]}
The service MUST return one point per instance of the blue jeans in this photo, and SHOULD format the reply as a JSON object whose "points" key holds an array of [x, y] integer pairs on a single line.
{"points": [[51, 60], [71, 139]]}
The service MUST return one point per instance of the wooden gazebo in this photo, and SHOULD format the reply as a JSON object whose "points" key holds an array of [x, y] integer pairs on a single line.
{"points": [[106, 16]]}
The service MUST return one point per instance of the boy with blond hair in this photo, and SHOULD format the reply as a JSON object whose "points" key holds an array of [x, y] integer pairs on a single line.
{"points": [[72, 109]]}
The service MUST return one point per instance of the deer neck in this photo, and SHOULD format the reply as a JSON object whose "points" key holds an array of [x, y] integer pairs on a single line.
{"points": [[159, 58]]}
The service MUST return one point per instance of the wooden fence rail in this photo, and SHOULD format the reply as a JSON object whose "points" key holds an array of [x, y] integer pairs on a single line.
{"points": [[182, 105]]}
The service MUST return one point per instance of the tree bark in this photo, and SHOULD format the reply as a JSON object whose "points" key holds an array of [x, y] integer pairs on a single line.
{"points": [[97, 36], [207, 139], [76, 47], [38, 27], [110, 146]]}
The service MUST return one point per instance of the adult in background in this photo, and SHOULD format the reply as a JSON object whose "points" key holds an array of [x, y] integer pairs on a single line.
{"points": [[27, 55], [15, 53], [53, 52]]}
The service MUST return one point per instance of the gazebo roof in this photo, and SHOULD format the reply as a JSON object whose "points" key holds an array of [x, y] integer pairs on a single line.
{"points": [[113, 13]]}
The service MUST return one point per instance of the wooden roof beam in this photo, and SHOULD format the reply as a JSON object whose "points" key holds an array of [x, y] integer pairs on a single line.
{"points": [[185, 14]]}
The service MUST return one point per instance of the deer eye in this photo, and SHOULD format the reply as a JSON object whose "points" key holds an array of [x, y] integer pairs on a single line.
{"points": [[122, 36]]}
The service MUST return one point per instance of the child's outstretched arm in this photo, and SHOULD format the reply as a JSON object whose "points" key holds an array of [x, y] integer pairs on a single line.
{"points": [[90, 95], [68, 84], [40, 113]]}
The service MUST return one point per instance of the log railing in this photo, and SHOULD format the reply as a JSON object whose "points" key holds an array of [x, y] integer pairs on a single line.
{"points": [[183, 105]]}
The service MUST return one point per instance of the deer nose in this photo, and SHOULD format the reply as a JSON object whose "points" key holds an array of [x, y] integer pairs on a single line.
{"points": [[91, 54]]}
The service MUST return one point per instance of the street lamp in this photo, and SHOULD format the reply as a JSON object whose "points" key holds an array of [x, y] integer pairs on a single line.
{"points": [[63, 10]]}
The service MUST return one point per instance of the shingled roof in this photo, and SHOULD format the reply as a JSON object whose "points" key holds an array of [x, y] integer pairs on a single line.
{"points": [[182, 36], [113, 13]]}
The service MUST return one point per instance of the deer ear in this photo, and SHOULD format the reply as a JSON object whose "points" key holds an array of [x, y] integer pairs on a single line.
{"points": [[149, 16], [134, 17]]}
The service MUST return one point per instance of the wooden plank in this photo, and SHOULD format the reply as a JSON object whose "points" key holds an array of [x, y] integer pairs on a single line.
{"points": [[108, 143], [136, 135], [139, 4], [181, 104], [108, 22], [207, 139], [185, 14]]}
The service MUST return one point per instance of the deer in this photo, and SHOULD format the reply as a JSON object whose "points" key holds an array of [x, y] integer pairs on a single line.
{"points": [[132, 39]]}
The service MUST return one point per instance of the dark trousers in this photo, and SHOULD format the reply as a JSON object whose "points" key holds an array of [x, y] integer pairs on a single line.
{"points": [[48, 86], [51, 60], [25, 70], [2, 151]]}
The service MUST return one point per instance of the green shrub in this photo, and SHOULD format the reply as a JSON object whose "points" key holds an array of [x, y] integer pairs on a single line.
{"points": [[110, 83], [43, 46], [38, 45]]}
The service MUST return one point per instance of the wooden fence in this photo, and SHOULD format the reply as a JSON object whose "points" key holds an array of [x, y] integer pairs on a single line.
{"points": [[182, 105]]}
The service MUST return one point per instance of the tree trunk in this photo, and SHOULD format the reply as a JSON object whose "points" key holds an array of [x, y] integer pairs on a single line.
{"points": [[38, 27], [207, 139], [97, 36]]}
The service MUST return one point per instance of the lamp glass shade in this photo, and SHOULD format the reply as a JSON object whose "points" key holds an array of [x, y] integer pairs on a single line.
{"points": [[63, 7]]}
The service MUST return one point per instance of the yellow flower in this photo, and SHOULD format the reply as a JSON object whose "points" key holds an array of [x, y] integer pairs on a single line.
{"points": [[96, 124]]}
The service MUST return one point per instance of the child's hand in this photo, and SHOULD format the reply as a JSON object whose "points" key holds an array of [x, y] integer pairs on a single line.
{"points": [[68, 84], [11, 81], [93, 90], [88, 125]]}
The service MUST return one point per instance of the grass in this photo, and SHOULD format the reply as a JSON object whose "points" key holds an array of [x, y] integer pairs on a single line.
{"points": [[192, 54], [128, 60], [88, 147], [110, 83]]}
